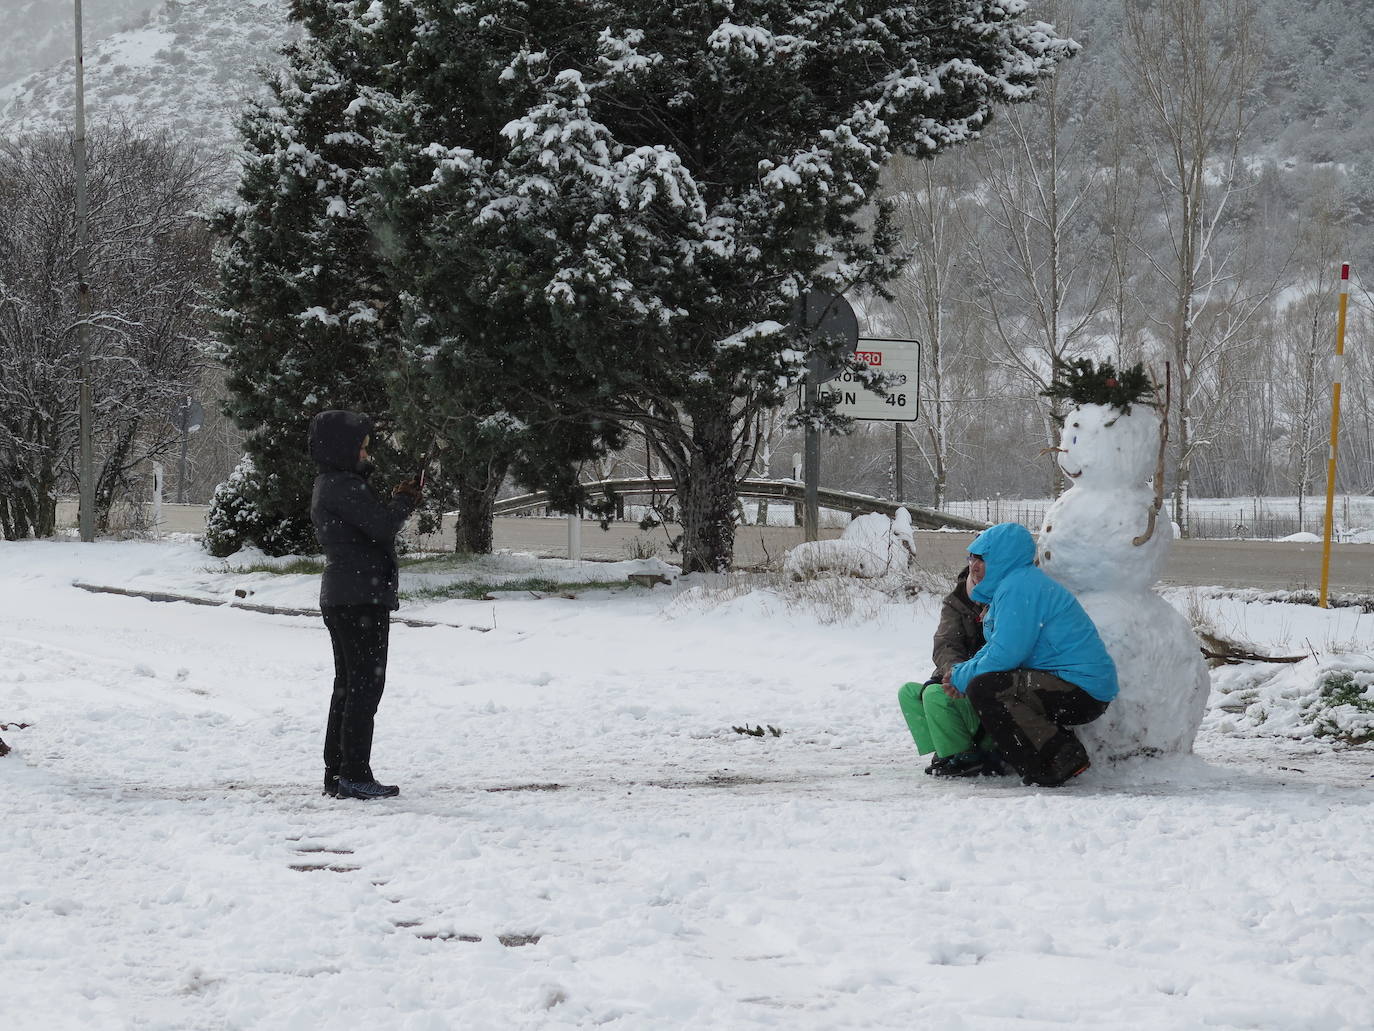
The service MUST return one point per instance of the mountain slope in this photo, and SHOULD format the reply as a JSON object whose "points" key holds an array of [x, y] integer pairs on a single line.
{"points": [[189, 69], [40, 33]]}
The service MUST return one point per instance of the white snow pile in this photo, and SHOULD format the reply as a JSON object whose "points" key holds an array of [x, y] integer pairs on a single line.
{"points": [[873, 546], [1331, 699], [1328, 694]]}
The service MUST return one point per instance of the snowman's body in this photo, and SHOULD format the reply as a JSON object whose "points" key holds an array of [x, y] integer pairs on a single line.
{"points": [[1088, 544]]}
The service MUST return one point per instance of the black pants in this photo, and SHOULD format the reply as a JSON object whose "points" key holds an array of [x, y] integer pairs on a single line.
{"points": [[359, 634], [1026, 712]]}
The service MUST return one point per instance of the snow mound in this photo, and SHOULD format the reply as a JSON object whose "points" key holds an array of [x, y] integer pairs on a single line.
{"points": [[1333, 698], [872, 546]]}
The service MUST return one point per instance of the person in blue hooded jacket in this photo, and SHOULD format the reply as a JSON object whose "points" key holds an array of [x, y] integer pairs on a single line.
{"points": [[1043, 668]]}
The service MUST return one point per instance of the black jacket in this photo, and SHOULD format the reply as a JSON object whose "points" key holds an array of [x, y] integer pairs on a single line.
{"points": [[356, 529]]}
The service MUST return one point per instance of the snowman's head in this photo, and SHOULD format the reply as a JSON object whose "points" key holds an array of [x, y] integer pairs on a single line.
{"points": [[1104, 446]]}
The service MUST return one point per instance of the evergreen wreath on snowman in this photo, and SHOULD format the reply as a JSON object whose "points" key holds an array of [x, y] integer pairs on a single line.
{"points": [[1102, 539]]}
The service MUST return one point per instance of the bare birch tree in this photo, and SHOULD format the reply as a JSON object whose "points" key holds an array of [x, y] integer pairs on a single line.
{"points": [[927, 297], [1192, 64], [1041, 282]]}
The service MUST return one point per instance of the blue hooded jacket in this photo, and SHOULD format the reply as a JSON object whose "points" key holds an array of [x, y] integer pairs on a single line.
{"points": [[1033, 622]]}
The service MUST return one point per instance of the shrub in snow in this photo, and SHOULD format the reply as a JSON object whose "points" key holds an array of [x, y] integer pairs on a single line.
{"points": [[241, 515], [1103, 541], [1306, 700], [871, 546], [1344, 705]]}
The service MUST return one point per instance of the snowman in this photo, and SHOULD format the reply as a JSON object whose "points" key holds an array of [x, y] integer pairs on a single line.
{"points": [[1103, 540]]}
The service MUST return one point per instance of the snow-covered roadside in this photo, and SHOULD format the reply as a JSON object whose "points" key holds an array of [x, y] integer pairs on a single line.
{"points": [[680, 875]]}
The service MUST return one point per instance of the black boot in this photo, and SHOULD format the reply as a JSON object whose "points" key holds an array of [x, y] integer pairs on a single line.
{"points": [[1061, 760], [331, 783], [966, 764], [366, 789]]}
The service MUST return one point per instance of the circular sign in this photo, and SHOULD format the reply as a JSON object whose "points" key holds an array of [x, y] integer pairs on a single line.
{"points": [[188, 416], [820, 314]]}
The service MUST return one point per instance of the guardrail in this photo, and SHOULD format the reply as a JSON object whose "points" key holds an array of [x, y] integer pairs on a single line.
{"points": [[780, 490]]}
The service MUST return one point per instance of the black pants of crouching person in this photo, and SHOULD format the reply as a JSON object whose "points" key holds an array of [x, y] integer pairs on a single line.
{"points": [[1027, 713], [360, 634]]}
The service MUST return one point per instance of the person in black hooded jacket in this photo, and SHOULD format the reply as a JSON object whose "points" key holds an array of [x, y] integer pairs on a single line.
{"points": [[357, 533]]}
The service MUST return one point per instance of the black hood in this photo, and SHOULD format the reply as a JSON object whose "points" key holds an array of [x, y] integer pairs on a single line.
{"points": [[337, 437]]}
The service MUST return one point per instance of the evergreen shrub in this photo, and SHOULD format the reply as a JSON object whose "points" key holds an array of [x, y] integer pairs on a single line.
{"points": [[239, 516]]}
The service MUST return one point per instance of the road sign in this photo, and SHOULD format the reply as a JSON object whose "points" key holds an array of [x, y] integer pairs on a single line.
{"points": [[900, 359], [188, 416], [821, 314]]}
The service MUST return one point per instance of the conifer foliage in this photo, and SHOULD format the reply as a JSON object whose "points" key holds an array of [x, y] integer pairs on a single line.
{"points": [[1081, 381], [587, 218]]}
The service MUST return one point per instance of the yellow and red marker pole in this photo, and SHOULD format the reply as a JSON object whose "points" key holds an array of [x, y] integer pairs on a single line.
{"points": [[1335, 430]]}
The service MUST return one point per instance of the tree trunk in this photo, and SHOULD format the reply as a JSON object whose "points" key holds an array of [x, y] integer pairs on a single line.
{"points": [[708, 497], [477, 488]]}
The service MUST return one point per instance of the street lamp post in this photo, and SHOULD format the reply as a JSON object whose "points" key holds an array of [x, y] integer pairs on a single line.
{"points": [[87, 470]]}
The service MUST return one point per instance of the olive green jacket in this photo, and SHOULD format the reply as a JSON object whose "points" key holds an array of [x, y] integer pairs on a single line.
{"points": [[960, 633]]}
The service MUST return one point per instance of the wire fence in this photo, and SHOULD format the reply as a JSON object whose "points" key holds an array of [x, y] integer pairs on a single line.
{"points": [[1214, 518]]}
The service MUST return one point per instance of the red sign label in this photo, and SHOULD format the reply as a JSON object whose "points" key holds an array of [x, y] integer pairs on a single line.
{"points": [[873, 359]]}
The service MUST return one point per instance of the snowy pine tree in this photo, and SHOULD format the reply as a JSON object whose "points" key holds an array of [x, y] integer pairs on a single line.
{"points": [[305, 322], [671, 178], [535, 227]]}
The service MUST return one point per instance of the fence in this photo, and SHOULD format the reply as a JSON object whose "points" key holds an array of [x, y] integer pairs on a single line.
{"points": [[1213, 518]]}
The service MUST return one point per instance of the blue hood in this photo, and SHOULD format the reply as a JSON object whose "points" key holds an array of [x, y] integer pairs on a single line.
{"points": [[1004, 547]]}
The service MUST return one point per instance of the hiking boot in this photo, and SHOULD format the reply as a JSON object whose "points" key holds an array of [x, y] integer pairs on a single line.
{"points": [[1061, 760], [965, 764], [331, 784], [993, 766], [935, 765], [366, 789]]}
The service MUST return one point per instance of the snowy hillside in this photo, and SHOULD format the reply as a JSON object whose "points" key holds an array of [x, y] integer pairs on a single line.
{"points": [[188, 69], [39, 33]]}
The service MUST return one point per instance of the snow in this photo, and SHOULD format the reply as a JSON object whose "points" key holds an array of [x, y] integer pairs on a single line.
{"points": [[169, 863], [871, 546], [1104, 540]]}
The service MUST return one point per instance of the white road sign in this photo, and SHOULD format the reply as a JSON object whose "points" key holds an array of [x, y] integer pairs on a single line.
{"points": [[900, 359]]}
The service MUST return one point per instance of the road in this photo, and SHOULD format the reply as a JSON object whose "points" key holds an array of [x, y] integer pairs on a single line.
{"points": [[1268, 565]]}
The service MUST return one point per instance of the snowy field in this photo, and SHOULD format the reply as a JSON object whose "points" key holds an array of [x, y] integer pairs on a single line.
{"points": [[583, 840]]}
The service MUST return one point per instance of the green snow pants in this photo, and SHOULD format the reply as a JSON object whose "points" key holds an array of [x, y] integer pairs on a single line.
{"points": [[947, 726]]}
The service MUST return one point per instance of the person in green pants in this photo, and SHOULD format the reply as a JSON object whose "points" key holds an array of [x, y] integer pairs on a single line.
{"points": [[948, 726]]}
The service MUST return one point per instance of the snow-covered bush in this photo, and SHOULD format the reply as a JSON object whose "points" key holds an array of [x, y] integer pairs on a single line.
{"points": [[872, 546], [1333, 699], [238, 516]]}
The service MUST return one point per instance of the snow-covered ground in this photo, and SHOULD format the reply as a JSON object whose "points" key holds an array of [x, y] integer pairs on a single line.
{"points": [[572, 775]]}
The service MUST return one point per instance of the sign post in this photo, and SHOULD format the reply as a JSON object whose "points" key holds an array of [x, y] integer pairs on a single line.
{"points": [[819, 315], [188, 416], [1335, 430]]}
